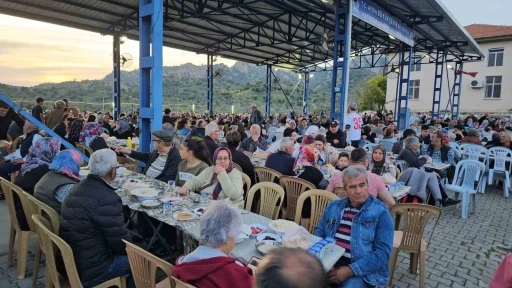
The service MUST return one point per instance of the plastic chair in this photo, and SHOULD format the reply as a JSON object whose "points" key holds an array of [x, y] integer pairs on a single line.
{"points": [[410, 239], [363, 142], [500, 155], [15, 143], [319, 200], [340, 192], [144, 267], [387, 145], [401, 165], [9, 190], [369, 146], [293, 188], [38, 208], [278, 135], [466, 173], [454, 145], [181, 284], [86, 150], [270, 133], [237, 167], [271, 197], [104, 130], [52, 245], [246, 180], [264, 174]]}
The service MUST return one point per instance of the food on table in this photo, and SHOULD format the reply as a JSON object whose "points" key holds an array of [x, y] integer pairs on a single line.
{"points": [[146, 192], [283, 226], [256, 230], [184, 215], [297, 238]]}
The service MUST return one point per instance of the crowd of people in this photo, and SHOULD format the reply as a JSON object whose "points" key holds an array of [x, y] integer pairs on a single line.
{"points": [[210, 154]]}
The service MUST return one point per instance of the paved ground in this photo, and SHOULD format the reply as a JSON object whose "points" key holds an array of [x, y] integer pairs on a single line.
{"points": [[463, 252]]}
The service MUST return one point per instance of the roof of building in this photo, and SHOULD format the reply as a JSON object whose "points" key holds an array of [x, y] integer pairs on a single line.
{"points": [[479, 31]]}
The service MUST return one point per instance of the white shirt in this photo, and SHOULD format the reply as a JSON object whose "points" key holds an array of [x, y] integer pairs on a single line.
{"points": [[274, 147], [356, 124]]}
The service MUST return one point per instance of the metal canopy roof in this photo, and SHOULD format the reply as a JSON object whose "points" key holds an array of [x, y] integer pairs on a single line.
{"points": [[284, 33]]}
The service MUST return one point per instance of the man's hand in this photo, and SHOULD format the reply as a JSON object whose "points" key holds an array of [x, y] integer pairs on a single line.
{"points": [[340, 274], [335, 141], [123, 150], [18, 161]]}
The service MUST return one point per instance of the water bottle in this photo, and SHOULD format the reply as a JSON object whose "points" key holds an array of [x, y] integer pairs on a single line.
{"points": [[129, 143], [167, 210]]}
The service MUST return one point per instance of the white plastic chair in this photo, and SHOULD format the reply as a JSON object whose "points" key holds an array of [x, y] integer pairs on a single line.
{"points": [[270, 133], [104, 130], [477, 153], [363, 143], [369, 146], [401, 165], [278, 135], [466, 173], [456, 150], [486, 135], [500, 155]]}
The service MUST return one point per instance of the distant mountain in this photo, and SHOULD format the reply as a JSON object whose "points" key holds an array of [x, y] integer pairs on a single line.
{"points": [[184, 85]]}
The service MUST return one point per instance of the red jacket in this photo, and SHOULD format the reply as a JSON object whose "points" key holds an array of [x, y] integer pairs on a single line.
{"points": [[503, 276], [217, 272]]}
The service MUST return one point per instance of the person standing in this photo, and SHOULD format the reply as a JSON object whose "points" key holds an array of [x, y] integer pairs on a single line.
{"points": [[37, 110], [54, 117], [353, 125], [256, 116]]}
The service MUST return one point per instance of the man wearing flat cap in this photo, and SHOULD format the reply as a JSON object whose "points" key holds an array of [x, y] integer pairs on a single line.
{"points": [[162, 163]]}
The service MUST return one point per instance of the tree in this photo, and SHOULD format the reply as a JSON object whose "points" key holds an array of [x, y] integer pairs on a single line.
{"points": [[372, 95]]}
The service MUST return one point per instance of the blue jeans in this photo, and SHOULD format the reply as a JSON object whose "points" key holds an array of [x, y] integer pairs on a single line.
{"points": [[119, 267], [354, 282]]}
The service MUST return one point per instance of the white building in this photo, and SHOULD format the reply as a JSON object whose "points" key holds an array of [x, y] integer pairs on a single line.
{"points": [[489, 91]]}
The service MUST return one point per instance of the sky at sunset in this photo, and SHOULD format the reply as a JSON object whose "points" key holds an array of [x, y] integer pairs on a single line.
{"points": [[34, 52]]}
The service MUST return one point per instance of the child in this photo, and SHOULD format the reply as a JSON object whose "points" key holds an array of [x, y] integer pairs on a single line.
{"points": [[342, 161]]}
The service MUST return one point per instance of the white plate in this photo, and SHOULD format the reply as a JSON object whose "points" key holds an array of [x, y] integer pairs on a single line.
{"points": [[198, 212], [262, 236], [282, 226], [193, 216], [151, 203], [145, 192]]}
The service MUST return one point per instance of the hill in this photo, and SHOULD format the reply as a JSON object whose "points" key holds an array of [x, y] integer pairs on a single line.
{"points": [[184, 85]]}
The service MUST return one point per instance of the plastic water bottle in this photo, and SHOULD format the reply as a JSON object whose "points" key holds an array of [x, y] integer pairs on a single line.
{"points": [[167, 208], [129, 143]]}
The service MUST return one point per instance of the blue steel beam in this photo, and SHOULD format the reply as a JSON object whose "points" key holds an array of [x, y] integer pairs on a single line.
{"points": [[404, 82], [150, 71], [116, 54], [268, 90], [305, 98], [438, 83], [209, 84], [456, 89], [31, 118], [345, 39]]}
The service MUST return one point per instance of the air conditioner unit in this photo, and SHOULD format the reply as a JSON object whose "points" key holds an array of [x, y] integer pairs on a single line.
{"points": [[475, 84]]}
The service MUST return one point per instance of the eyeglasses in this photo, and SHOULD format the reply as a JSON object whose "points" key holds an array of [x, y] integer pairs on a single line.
{"points": [[222, 159]]}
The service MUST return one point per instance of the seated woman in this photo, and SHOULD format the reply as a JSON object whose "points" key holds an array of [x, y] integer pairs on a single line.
{"points": [[379, 164], [123, 129], [183, 127], [36, 164], [410, 153], [195, 159], [90, 137], [328, 154], [221, 180], [305, 167], [63, 174], [209, 265]]}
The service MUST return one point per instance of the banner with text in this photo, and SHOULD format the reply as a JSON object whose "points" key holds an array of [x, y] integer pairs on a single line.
{"points": [[374, 15]]}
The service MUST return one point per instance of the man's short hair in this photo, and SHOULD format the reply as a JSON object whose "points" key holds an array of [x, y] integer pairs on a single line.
{"points": [[4, 105], [39, 100], [233, 138], [288, 132], [358, 155], [409, 132], [60, 104], [291, 268], [425, 128], [439, 135]]}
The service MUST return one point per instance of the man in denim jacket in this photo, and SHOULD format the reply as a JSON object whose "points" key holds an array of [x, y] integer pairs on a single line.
{"points": [[362, 225]]}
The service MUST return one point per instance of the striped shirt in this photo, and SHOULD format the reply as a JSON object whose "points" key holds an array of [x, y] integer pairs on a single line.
{"points": [[157, 166], [342, 235]]}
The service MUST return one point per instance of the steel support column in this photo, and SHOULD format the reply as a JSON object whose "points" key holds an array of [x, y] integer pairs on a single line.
{"points": [[150, 71], [117, 76], [397, 92], [305, 98], [456, 89], [268, 90], [403, 90], [341, 38], [209, 85], [438, 83]]}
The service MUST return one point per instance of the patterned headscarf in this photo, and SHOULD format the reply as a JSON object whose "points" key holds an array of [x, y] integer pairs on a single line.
{"points": [[75, 130], [445, 140], [90, 132], [379, 166], [67, 162], [123, 125], [218, 187], [41, 153], [305, 158]]}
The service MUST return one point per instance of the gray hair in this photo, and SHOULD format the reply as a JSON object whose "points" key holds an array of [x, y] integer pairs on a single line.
{"points": [[257, 127], [409, 142], [473, 132], [102, 162], [220, 222], [59, 104], [285, 143], [352, 172], [210, 128]]}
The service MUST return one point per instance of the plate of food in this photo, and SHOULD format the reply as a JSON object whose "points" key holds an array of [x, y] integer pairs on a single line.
{"points": [[257, 229], [145, 193], [282, 226], [173, 200], [269, 236], [199, 211], [184, 216]]}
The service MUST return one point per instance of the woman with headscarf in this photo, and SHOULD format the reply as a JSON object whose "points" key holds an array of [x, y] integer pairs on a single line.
{"points": [[379, 164], [221, 181], [309, 135], [90, 136], [304, 167], [55, 185], [473, 137], [36, 165], [75, 128], [123, 129]]}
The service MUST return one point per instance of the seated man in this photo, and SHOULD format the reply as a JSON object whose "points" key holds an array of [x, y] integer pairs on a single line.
{"points": [[233, 140], [212, 135], [209, 265], [400, 145], [282, 161], [256, 141], [162, 163], [92, 223], [7, 167], [335, 136], [442, 154], [290, 268], [376, 187], [372, 238], [288, 132]]}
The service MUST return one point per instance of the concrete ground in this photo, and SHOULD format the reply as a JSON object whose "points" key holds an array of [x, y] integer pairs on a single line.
{"points": [[463, 252]]}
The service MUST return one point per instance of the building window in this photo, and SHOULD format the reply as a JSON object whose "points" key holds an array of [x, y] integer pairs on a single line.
{"points": [[495, 57], [416, 63], [493, 87], [414, 89]]}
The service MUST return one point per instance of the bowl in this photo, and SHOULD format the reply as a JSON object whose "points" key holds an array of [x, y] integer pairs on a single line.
{"points": [[256, 229], [282, 226], [268, 236], [266, 246], [145, 193]]}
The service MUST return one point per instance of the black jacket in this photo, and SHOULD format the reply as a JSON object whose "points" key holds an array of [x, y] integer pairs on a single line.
{"points": [[124, 135], [412, 159], [92, 223], [27, 143], [5, 122], [282, 162], [171, 165], [107, 126], [339, 135], [97, 144], [212, 146], [244, 162]]}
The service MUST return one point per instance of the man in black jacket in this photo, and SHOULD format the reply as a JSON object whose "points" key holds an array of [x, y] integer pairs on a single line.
{"points": [[92, 223], [282, 161], [7, 115], [11, 166], [162, 163], [233, 139], [335, 136], [106, 124], [212, 135]]}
